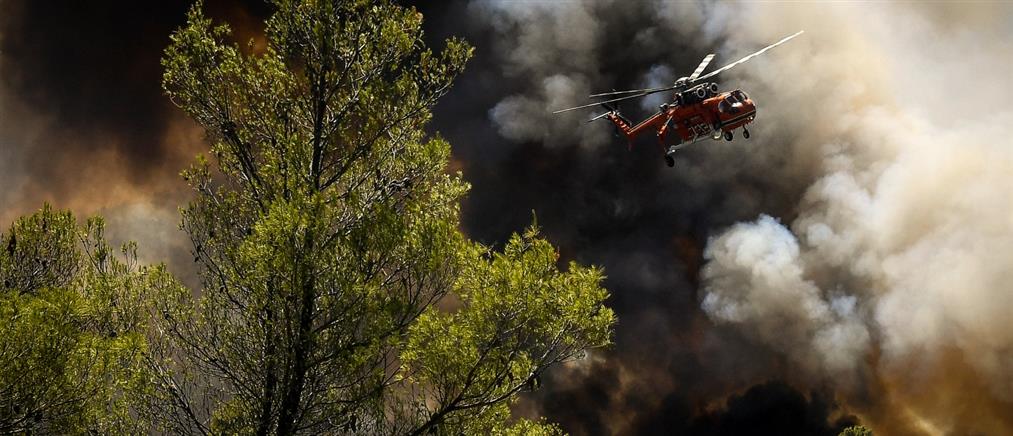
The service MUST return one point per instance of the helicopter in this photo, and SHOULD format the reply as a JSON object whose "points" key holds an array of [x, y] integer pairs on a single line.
{"points": [[698, 109]]}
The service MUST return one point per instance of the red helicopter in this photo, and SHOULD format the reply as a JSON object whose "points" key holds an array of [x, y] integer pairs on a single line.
{"points": [[698, 109]]}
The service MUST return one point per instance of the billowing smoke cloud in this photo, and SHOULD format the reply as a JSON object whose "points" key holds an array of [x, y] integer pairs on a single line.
{"points": [[552, 39], [901, 249], [883, 148], [646, 224], [849, 259], [754, 276]]}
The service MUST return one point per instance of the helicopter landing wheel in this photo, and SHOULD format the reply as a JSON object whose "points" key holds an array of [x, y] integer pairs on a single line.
{"points": [[728, 136], [670, 161], [745, 133]]}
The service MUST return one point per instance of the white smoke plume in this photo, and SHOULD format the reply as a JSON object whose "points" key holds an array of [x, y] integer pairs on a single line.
{"points": [[900, 257], [554, 45], [756, 276], [890, 281], [893, 280]]}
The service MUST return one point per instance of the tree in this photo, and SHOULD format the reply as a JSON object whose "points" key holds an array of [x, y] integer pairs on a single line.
{"points": [[856, 430], [338, 293], [72, 336]]}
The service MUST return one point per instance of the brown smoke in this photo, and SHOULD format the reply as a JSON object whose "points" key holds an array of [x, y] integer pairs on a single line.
{"points": [[886, 279], [901, 248], [83, 122], [852, 257]]}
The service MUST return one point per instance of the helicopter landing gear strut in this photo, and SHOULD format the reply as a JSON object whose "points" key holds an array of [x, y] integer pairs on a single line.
{"points": [[670, 156], [728, 135], [745, 133]]}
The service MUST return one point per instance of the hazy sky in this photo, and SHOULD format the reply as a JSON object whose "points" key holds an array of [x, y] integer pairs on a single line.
{"points": [[851, 261]]}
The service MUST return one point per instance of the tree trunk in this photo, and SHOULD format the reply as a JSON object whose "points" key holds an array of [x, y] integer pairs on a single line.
{"points": [[293, 392], [271, 378]]}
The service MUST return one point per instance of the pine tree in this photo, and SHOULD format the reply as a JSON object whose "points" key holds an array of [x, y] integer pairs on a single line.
{"points": [[72, 339], [339, 295]]}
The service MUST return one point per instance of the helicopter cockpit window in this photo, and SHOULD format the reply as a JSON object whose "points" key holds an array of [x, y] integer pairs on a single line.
{"points": [[729, 105], [740, 95]]}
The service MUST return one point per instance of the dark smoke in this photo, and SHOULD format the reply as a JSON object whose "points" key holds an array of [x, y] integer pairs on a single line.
{"points": [[771, 408], [874, 203], [83, 121], [83, 124], [645, 223]]}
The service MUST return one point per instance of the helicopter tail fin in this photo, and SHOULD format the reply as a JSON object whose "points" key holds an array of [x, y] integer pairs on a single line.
{"points": [[614, 109], [623, 125]]}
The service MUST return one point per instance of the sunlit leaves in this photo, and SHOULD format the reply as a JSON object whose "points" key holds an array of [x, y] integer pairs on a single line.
{"points": [[519, 314], [327, 236], [72, 341]]}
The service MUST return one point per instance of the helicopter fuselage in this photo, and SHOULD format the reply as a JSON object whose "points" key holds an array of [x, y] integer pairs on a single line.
{"points": [[697, 110], [691, 116]]}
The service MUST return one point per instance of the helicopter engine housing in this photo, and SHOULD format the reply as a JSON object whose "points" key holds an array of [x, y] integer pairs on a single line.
{"points": [[701, 92]]}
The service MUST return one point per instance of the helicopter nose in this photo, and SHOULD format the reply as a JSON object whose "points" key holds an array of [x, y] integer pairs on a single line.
{"points": [[749, 106]]}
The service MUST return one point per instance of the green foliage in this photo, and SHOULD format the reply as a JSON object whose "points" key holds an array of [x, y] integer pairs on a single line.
{"points": [[71, 344], [529, 428], [856, 430], [338, 293], [519, 314]]}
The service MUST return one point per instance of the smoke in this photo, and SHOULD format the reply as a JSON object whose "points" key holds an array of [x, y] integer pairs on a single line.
{"points": [[755, 277], [884, 152], [83, 122], [602, 204], [901, 248], [550, 37], [851, 258]]}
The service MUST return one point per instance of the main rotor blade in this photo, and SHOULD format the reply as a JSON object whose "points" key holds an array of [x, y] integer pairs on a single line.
{"points": [[726, 67], [642, 94], [599, 117], [699, 69], [632, 91]]}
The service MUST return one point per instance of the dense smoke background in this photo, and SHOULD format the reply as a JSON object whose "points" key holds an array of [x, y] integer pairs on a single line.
{"points": [[84, 124], [850, 262], [871, 260]]}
